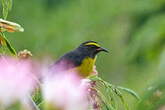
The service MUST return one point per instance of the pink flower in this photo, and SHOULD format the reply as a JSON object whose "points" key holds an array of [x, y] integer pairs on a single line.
{"points": [[16, 79], [64, 92]]}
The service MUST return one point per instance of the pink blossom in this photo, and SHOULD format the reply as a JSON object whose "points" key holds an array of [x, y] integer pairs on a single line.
{"points": [[64, 91], [16, 79]]}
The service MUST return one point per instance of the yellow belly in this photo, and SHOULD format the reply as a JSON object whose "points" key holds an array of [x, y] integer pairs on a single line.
{"points": [[86, 68]]}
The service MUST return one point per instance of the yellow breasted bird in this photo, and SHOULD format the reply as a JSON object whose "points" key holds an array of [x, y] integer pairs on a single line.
{"points": [[82, 59]]}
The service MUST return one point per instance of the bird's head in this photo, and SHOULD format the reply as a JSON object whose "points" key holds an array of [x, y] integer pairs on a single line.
{"points": [[91, 48]]}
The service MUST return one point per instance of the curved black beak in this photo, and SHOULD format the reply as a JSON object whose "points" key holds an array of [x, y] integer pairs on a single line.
{"points": [[102, 49]]}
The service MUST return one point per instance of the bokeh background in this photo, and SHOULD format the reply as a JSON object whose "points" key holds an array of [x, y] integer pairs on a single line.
{"points": [[133, 31]]}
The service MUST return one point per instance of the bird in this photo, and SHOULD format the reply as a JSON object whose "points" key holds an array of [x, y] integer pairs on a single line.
{"points": [[82, 59]]}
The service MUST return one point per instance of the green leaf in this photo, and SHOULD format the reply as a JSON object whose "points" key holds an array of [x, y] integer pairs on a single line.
{"points": [[109, 93], [119, 94], [6, 7], [133, 93], [9, 46]]}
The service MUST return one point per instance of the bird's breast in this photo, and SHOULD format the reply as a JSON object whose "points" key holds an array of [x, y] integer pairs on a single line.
{"points": [[86, 67]]}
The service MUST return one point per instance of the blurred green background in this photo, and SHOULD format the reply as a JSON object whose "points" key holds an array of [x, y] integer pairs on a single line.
{"points": [[133, 31]]}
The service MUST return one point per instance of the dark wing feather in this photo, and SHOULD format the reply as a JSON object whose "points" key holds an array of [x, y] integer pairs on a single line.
{"points": [[68, 61]]}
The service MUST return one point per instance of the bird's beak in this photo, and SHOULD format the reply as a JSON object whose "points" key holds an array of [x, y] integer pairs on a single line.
{"points": [[102, 49]]}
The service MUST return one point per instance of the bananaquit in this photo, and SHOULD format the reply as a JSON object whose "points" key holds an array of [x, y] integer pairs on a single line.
{"points": [[82, 59]]}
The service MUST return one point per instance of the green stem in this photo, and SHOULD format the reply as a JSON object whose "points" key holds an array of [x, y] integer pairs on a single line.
{"points": [[8, 44]]}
